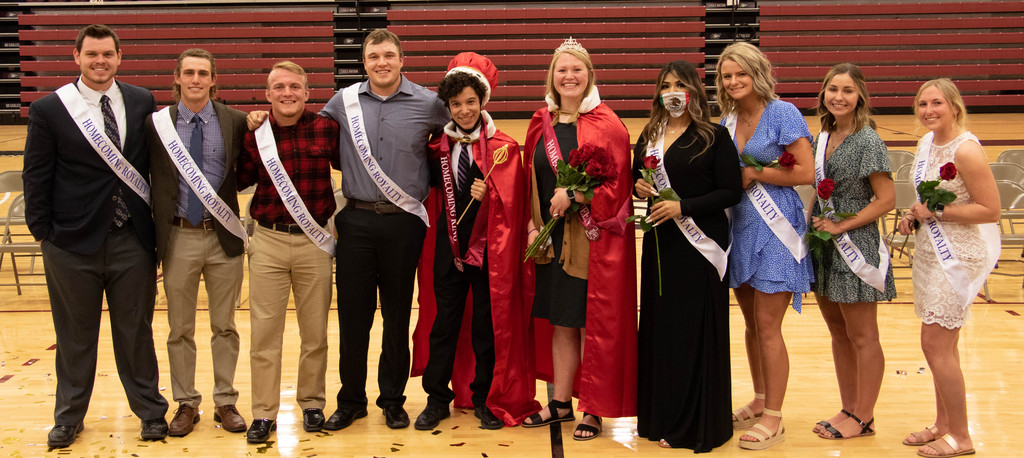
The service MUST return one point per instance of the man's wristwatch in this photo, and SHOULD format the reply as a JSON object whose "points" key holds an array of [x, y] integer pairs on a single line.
{"points": [[570, 194], [938, 211]]}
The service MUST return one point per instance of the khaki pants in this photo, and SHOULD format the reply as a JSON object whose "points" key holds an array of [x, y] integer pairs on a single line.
{"points": [[192, 252], [279, 262]]}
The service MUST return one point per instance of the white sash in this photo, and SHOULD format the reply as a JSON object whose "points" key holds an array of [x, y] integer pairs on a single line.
{"points": [[97, 137], [769, 211], [966, 288], [354, 113], [704, 244], [267, 145], [874, 276], [194, 177]]}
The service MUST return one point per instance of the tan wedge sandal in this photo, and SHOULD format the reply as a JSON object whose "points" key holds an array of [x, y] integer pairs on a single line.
{"points": [[744, 418], [764, 436]]}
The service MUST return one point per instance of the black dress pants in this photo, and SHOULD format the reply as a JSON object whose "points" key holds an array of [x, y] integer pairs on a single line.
{"points": [[375, 252]]}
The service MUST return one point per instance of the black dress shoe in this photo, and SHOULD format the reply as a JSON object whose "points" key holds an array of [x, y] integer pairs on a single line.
{"points": [[487, 418], [63, 435], [343, 417], [260, 430], [430, 417], [395, 417], [154, 429], [312, 420]]}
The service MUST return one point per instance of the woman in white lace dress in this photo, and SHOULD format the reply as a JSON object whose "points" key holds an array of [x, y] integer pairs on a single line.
{"points": [[952, 256]]}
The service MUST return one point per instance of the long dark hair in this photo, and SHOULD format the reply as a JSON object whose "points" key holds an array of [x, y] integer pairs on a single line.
{"points": [[697, 108]]}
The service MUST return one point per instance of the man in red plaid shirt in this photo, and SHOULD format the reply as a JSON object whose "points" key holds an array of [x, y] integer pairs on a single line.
{"points": [[291, 249]]}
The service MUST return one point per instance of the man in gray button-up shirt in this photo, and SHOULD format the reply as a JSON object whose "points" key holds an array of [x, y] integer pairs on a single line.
{"points": [[379, 243]]}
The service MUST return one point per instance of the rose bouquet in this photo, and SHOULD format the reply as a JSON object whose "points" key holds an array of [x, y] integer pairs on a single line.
{"points": [[930, 193], [817, 240], [588, 168], [648, 171]]}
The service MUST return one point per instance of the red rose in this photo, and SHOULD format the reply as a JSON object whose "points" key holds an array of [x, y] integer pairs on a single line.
{"points": [[575, 158], [947, 172], [651, 162], [825, 188], [787, 160]]}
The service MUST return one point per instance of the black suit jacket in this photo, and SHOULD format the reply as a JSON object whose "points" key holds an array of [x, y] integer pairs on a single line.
{"points": [[165, 178], [69, 189]]}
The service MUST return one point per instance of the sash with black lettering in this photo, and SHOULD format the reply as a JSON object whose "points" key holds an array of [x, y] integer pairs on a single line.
{"points": [[704, 244], [769, 211], [475, 252], [194, 177], [874, 276], [554, 154], [94, 133], [957, 275], [357, 130], [267, 145]]}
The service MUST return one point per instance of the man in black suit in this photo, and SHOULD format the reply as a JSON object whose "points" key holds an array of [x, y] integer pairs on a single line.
{"points": [[193, 238], [86, 192]]}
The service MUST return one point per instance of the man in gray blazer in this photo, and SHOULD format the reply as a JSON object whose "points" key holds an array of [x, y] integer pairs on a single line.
{"points": [[193, 238], [86, 192]]}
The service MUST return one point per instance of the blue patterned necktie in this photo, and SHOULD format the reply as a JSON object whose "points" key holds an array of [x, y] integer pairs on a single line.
{"points": [[121, 214], [463, 168], [194, 211]]}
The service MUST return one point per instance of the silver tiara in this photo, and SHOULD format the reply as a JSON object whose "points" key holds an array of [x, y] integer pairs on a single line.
{"points": [[571, 45]]}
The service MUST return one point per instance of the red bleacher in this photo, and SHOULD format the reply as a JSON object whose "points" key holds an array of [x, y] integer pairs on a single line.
{"points": [[980, 45]]}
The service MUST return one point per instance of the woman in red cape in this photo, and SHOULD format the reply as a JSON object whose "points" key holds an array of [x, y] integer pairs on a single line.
{"points": [[599, 338], [493, 246]]}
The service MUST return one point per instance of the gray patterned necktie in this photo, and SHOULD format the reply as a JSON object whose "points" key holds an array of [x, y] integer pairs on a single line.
{"points": [[121, 214]]}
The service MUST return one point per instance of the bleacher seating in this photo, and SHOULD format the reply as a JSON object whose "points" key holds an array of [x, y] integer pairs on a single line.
{"points": [[628, 45], [980, 45], [246, 42]]}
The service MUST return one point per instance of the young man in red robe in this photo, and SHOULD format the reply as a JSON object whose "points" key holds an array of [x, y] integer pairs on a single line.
{"points": [[470, 278]]}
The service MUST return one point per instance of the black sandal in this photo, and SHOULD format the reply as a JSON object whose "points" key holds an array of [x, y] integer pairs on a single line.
{"points": [[582, 428], [537, 421], [865, 429], [826, 425]]}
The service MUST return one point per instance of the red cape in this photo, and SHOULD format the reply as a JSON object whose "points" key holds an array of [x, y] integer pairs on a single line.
{"points": [[606, 380], [513, 389]]}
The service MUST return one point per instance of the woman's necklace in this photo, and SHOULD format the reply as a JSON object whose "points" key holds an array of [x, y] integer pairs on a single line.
{"points": [[750, 119], [837, 139]]}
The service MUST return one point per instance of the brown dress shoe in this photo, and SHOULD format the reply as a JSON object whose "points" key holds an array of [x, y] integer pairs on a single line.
{"points": [[229, 418], [184, 420]]}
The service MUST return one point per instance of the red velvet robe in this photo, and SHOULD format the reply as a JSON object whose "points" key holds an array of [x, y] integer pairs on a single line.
{"points": [[606, 379], [513, 389]]}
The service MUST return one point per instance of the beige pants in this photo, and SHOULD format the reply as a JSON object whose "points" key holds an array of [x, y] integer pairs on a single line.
{"points": [[279, 262], [191, 252]]}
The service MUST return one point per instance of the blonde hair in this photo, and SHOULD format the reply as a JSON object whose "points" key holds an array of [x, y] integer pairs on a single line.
{"points": [[752, 61], [861, 114], [290, 66], [950, 93], [584, 57]]}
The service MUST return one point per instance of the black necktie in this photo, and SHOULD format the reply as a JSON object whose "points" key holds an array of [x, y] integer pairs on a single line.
{"points": [[121, 214], [194, 212]]}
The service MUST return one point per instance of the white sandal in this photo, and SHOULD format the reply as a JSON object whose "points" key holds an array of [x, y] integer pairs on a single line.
{"points": [[744, 418], [764, 436]]}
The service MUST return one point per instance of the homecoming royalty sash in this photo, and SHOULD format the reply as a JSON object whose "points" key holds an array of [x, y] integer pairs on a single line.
{"points": [[704, 244], [267, 145], [94, 133], [554, 154], [966, 288], [769, 211], [193, 176], [357, 130], [874, 276], [475, 253]]}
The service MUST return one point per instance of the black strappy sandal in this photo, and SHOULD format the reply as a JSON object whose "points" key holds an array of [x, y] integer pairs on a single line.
{"points": [[825, 424], [865, 429], [537, 421], [583, 428]]}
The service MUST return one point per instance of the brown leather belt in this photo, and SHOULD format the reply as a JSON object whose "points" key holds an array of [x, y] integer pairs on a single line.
{"points": [[206, 224], [379, 207], [289, 228]]}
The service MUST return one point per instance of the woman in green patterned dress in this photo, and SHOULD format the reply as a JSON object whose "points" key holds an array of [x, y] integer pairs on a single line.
{"points": [[854, 272]]}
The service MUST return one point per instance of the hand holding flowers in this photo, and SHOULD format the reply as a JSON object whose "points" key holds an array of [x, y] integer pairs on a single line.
{"points": [[931, 196], [786, 161], [666, 196], [818, 240]]}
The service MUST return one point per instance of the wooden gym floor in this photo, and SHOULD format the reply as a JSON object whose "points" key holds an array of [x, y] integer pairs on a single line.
{"points": [[991, 351]]}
